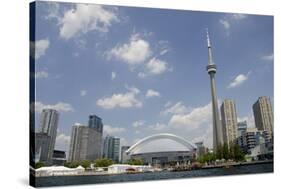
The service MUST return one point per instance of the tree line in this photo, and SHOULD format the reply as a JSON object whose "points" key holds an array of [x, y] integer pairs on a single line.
{"points": [[231, 152]]}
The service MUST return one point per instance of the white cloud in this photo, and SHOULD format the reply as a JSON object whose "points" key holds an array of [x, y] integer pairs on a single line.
{"points": [[164, 51], [142, 75], [53, 10], [83, 93], [152, 93], [157, 127], [62, 141], [167, 104], [206, 138], [228, 20], [109, 130], [113, 75], [250, 120], [139, 123], [238, 16], [123, 141], [85, 18], [126, 100], [177, 108], [41, 74], [133, 89], [241, 78], [60, 106], [225, 24], [268, 57], [156, 66], [194, 119], [39, 48], [136, 51]]}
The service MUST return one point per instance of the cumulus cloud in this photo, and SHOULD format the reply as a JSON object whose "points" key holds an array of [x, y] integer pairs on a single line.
{"points": [[250, 120], [225, 23], [53, 11], [241, 78], [206, 137], [62, 141], [138, 123], [268, 57], [84, 18], [121, 100], [152, 93], [83, 93], [230, 19], [142, 75], [136, 51], [113, 75], [157, 127], [109, 130], [193, 119], [178, 108], [156, 66], [60, 106], [38, 48], [41, 74]]}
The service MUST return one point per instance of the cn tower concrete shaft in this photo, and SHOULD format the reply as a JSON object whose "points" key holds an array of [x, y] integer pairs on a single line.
{"points": [[211, 69]]}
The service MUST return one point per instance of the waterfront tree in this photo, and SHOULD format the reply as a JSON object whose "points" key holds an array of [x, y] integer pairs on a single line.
{"points": [[225, 151], [85, 163], [39, 164], [104, 162], [219, 151], [135, 162], [72, 164]]}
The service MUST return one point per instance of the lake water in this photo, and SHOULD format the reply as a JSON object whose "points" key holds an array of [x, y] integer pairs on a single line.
{"points": [[78, 180]]}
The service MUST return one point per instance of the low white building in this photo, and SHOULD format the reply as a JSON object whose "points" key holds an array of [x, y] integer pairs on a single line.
{"points": [[58, 171], [123, 168]]}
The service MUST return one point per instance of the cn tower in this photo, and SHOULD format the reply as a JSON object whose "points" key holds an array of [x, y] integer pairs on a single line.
{"points": [[212, 68]]}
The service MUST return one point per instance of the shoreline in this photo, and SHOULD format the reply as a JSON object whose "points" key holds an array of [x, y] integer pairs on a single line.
{"points": [[92, 173]]}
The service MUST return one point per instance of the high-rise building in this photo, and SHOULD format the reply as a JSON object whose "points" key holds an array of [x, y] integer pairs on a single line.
{"points": [[241, 128], [229, 121], [95, 122], [263, 114], [48, 125], [42, 144], [251, 138], [124, 156], [59, 157], [211, 69], [85, 143], [111, 148], [201, 149]]}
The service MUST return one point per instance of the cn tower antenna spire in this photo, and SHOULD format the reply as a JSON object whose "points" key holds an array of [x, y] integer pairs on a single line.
{"points": [[209, 49], [208, 38]]}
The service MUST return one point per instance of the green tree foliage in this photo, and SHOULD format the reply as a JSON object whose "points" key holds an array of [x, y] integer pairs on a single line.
{"points": [[39, 164], [233, 151], [103, 162], [135, 162], [208, 157], [219, 151], [85, 163], [72, 164], [225, 151], [238, 153]]}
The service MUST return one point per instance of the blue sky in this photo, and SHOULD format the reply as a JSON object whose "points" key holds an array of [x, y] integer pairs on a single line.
{"points": [[143, 71]]}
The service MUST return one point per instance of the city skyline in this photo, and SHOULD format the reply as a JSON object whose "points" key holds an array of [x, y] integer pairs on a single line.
{"points": [[144, 78]]}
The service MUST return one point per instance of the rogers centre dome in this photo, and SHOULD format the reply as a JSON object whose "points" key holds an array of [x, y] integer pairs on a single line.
{"points": [[161, 149]]}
